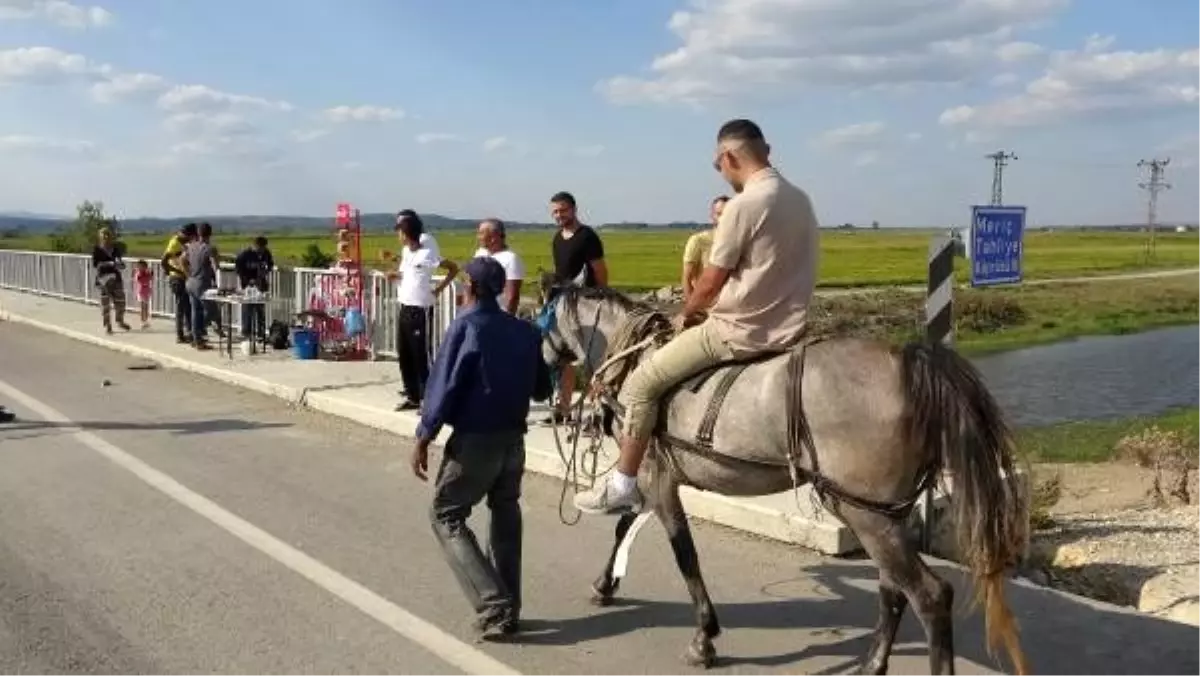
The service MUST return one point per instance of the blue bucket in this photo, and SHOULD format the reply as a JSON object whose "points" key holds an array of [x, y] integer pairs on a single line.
{"points": [[305, 344]]}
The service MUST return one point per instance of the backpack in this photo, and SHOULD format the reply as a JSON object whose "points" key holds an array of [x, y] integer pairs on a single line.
{"points": [[278, 335]]}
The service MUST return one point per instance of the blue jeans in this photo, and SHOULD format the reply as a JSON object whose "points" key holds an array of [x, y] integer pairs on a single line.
{"points": [[199, 330]]}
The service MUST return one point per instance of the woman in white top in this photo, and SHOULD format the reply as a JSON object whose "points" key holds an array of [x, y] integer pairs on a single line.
{"points": [[493, 243], [416, 295]]}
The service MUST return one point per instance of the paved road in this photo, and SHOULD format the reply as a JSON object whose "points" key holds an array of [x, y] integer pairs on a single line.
{"points": [[184, 526]]}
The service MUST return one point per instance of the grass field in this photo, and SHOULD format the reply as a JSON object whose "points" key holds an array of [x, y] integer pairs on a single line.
{"points": [[1094, 441], [990, 320], [640, 260]]}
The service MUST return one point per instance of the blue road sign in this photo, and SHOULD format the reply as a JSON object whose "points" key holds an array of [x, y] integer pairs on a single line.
{"points": [[997, 244]]}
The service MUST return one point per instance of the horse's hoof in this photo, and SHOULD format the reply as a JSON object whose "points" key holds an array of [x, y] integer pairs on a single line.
{"points": [[600, 598], [703, 656]]}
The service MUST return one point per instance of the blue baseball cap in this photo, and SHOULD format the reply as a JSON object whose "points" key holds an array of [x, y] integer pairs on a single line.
{"points": [[487, 276]]}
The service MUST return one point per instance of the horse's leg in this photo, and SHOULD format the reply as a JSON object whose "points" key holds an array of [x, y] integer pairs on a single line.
{"points": [[606, 585], [902, 574], [669, 508]]}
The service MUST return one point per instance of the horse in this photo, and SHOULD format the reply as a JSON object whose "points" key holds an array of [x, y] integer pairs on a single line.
{"points": [[867, 424]]}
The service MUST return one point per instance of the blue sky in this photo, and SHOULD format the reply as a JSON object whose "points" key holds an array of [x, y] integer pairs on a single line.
{"points": [[882, 111]]}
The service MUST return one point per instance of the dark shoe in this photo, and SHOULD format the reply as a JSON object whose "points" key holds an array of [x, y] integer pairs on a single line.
{"points": [[108, 330], [183, 340], [124, 326], [497, 623], [202, 346], [408, 405], [557, 418]]}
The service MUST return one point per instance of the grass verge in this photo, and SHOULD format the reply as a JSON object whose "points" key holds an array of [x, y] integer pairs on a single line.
{"points": [[1096, 440], [991, 320]]}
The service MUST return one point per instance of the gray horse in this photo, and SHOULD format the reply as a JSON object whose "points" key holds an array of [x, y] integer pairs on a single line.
{"points": [[868, 425]]}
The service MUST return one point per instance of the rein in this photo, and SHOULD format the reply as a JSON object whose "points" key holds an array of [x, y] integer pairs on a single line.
{"points": [[571, 463]]}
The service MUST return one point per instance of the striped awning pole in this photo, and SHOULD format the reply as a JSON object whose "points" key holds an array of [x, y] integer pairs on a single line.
{"points": [[939, 328]]}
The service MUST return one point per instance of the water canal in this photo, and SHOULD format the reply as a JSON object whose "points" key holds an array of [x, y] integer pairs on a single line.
{"points": [[1097, 377]]}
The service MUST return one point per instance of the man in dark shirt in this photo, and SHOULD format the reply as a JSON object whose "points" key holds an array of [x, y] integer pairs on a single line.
{"points": [[253, 266], [579, 260], [488, 368]]}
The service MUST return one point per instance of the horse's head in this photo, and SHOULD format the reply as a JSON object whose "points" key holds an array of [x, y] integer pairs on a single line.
{"points": [[578, 324]]}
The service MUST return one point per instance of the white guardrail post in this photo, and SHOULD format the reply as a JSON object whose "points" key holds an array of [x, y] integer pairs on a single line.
{"points": [[70, 277]]}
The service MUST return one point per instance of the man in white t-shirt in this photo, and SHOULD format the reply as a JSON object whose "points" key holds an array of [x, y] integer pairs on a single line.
{"points": [[416, 296], [493, 243]]}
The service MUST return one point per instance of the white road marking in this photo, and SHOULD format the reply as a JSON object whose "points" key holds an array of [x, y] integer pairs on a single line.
{"points": [[424, 634]]}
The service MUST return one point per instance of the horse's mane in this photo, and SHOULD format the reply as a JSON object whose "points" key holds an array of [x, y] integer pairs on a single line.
{"points": [[642, 321], [572, 294]]}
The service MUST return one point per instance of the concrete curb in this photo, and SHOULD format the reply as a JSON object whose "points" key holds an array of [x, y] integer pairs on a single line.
{"points": [[817, 530]]}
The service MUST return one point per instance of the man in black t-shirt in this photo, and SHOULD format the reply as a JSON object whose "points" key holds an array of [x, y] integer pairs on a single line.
{"points": [[578, 259], [578, 251]]}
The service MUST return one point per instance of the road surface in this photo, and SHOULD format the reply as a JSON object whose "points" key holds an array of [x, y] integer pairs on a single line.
{"points": [[167, 524]]}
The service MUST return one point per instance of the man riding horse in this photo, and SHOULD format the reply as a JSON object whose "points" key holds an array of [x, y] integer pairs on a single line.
{"points": [[761, 273]]}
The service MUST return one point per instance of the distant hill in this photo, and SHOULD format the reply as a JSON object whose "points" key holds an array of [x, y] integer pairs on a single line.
{"points": [[33, 224], [16, 223]]}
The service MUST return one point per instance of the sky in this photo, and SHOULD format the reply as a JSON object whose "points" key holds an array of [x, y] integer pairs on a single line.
{"points": [[881, 111]]}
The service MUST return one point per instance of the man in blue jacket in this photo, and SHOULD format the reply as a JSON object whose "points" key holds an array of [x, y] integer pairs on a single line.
{"points": [[486, 372]]}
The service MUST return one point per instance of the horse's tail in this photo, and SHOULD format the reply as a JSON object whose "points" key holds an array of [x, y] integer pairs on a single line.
{"points": [[951, 411]]}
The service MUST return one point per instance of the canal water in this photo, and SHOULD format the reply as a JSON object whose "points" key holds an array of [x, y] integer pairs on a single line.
{"points": [[1097, 377]]}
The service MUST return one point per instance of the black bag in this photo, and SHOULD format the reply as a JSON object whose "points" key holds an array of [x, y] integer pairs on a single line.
{"points": [[278, 335]]}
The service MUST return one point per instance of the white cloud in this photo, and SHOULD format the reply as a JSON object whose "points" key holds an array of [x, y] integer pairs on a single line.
{"points": [[913, 136], [239, 148], [498, 143], [1098, 43], [45, 65], [343, 114], [42, 144], [208, 123], [309, 135], [125, 85], [436, 137], [851, 134], [202, 98], [60, 12], [1018, 51], [748, 46], [1081, 83]]}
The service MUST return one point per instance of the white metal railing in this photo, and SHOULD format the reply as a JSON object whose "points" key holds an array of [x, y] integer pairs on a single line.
{"points": [[70, 277]]}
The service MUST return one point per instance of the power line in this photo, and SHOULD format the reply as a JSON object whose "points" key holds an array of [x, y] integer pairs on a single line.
{"points": [[1153, 186], [999, 160]]}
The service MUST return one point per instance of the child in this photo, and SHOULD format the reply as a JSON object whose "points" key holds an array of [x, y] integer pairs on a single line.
{"points": [[143, 278]]}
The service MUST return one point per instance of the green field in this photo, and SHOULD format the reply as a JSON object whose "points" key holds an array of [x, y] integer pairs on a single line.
{"points": [[640, 260], [1095, 440]]}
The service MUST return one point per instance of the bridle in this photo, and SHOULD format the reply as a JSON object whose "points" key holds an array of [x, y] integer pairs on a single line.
{"points": [[547, 322]]}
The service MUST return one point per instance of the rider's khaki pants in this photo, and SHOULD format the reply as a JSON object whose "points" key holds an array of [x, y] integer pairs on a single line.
{"points": [[687, 354]]}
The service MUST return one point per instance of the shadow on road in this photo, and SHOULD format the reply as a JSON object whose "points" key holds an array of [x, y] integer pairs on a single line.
{"points": [[36, 428], [1060, 634]]}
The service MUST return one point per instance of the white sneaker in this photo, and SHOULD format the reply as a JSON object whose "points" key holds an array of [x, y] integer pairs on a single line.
{"points": [[604, 499]]}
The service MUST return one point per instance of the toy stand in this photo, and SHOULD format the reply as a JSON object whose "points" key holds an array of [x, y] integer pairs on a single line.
{"points": [[336, 308]]}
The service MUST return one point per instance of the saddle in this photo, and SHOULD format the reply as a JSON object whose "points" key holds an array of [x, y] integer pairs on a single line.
{"points": [[728, 372]]}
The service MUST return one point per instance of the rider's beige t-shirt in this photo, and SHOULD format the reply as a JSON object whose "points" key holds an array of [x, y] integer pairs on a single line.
{"points": [[768, 238]]}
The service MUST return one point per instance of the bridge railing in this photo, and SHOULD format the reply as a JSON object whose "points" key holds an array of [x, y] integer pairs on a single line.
{"points": [[71, 277]]}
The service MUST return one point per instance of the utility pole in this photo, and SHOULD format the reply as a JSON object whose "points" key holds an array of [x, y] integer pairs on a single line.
{"points": [[999, 160], [1152, 187]]}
